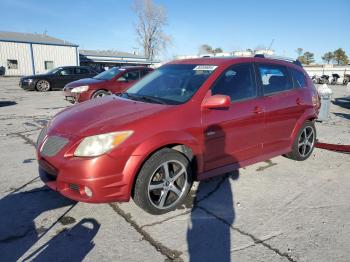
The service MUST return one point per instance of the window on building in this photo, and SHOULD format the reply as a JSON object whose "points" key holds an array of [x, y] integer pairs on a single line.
{"points": [[236, 82], [48, 65], [12, 64], [299, 78], [274, 78]]}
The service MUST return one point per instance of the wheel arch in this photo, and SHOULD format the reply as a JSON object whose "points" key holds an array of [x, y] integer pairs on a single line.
{"points": [[100, 89], [190, 150], [307, 116]]}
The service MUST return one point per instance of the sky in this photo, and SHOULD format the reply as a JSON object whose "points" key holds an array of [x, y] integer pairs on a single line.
{"points": [[316, 26]]}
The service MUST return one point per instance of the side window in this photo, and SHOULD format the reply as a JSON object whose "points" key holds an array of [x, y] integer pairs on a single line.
{"points": [[132, 75], [299, 78], [274, 78], [66, 72], [144, 72], [236, 82], [81, 71]]}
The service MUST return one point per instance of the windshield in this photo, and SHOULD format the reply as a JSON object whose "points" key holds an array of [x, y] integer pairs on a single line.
{"points": [[109, 74], [54, 71], [170, 84]]}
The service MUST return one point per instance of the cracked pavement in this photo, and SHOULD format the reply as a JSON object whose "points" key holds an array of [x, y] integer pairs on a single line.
{"points": [[277, 210]]}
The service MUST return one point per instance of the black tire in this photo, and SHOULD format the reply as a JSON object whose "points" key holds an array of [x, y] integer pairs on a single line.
{"points": [[298, 147], [42, 85], [146, 198], [100, 93]]}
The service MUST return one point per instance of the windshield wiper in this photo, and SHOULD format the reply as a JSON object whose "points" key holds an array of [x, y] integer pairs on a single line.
{"points": [[151, 99]]}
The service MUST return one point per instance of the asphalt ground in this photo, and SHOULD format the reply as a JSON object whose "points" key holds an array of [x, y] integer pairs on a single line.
{"points": [[277, 210]]}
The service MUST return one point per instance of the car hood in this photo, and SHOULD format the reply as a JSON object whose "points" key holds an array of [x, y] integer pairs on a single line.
{"points": [[83, 82], [103, 115], [35, 76]]}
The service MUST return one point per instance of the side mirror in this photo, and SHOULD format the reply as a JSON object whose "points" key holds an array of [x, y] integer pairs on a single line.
{"points": [[122, 79], [216, 102]]}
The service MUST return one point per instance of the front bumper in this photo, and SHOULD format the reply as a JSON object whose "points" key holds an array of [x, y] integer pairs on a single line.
{"points": [[76, 97], [25, 85], [109, 179]]}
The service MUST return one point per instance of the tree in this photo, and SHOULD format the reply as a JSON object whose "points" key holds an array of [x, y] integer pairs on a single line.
{"points": [[307, 58], [299, 51], [209, 50], [149, 28], [217, 50], [327, 57], [340, 57], [205, 49]]}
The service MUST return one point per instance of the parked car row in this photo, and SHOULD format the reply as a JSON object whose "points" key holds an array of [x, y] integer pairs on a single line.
{"points": [[188, 120], [81, 83], [324, 79]]}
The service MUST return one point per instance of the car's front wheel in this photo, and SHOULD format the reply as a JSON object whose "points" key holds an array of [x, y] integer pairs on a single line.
{"points": [[100, 93], [304, 142], [43, 86], [163, 182]]}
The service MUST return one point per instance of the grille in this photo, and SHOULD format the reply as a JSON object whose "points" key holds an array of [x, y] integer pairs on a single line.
{"points": [[53, 145], [41, 136]]}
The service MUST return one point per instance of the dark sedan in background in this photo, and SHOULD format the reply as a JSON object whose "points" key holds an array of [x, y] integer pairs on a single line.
{"points": [[56, 78]]}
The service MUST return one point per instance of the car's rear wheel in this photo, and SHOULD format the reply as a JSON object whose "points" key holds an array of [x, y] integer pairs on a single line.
{"points": [[43, 86], [100, 93], [304, 142], [163, 182]]}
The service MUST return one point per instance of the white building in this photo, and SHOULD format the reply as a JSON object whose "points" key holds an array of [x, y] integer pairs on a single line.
{"points": [[27, 54]]}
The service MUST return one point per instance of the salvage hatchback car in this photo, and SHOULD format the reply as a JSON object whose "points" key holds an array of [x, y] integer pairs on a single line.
{"points": [[113, 81], [188, 120]]}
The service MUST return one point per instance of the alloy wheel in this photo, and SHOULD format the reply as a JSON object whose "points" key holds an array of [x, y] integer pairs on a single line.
{"points": [[167, 184], [306, 141], [43, 86]]}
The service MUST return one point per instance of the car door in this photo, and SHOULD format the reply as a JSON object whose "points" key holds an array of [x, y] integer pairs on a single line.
{"points": [[283, 106], [81, 72], [64, 76], [124, 81], [235, 134]]}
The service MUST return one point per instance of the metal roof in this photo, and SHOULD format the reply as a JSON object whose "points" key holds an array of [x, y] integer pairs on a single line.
{"points": [[108, 53], [33, 38]]}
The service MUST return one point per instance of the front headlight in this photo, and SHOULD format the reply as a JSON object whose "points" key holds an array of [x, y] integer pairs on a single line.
{"points": [[101, 144], [80, 89], [28, 80]]}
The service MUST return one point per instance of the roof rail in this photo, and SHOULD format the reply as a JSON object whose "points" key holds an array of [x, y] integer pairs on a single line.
{"points": [[282, 58]]}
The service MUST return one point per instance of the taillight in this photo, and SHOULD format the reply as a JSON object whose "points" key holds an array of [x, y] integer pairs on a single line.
{"points": [[316, 101]]}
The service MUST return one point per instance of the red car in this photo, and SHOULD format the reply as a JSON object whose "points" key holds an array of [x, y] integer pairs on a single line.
{"points": [[188, 120], [112, 81]]}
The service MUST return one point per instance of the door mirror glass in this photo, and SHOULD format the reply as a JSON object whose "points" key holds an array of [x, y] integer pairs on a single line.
{"points": [[216, 102]]}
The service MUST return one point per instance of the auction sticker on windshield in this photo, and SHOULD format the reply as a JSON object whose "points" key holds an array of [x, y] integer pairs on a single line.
{"points": [[205, 68]]}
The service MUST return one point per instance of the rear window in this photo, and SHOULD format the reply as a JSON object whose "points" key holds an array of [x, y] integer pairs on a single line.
{"points": [[298, 77], [274, 78]]}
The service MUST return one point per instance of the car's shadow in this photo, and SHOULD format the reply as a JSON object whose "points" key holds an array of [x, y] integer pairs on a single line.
{"points": [[19, 230], [209, 233], [343, 102]]}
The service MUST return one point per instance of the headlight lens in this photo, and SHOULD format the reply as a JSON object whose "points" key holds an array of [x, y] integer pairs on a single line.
{"points": [[80, 89], [28, 80], [100, 144]]}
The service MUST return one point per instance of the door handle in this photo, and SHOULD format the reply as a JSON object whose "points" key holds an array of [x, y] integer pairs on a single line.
{"points": [[258, 110], [299, 101]]}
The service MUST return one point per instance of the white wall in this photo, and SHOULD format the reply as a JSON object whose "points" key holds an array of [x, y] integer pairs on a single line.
{"points": [[19, 52], [327, 70], [60, 55]]}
